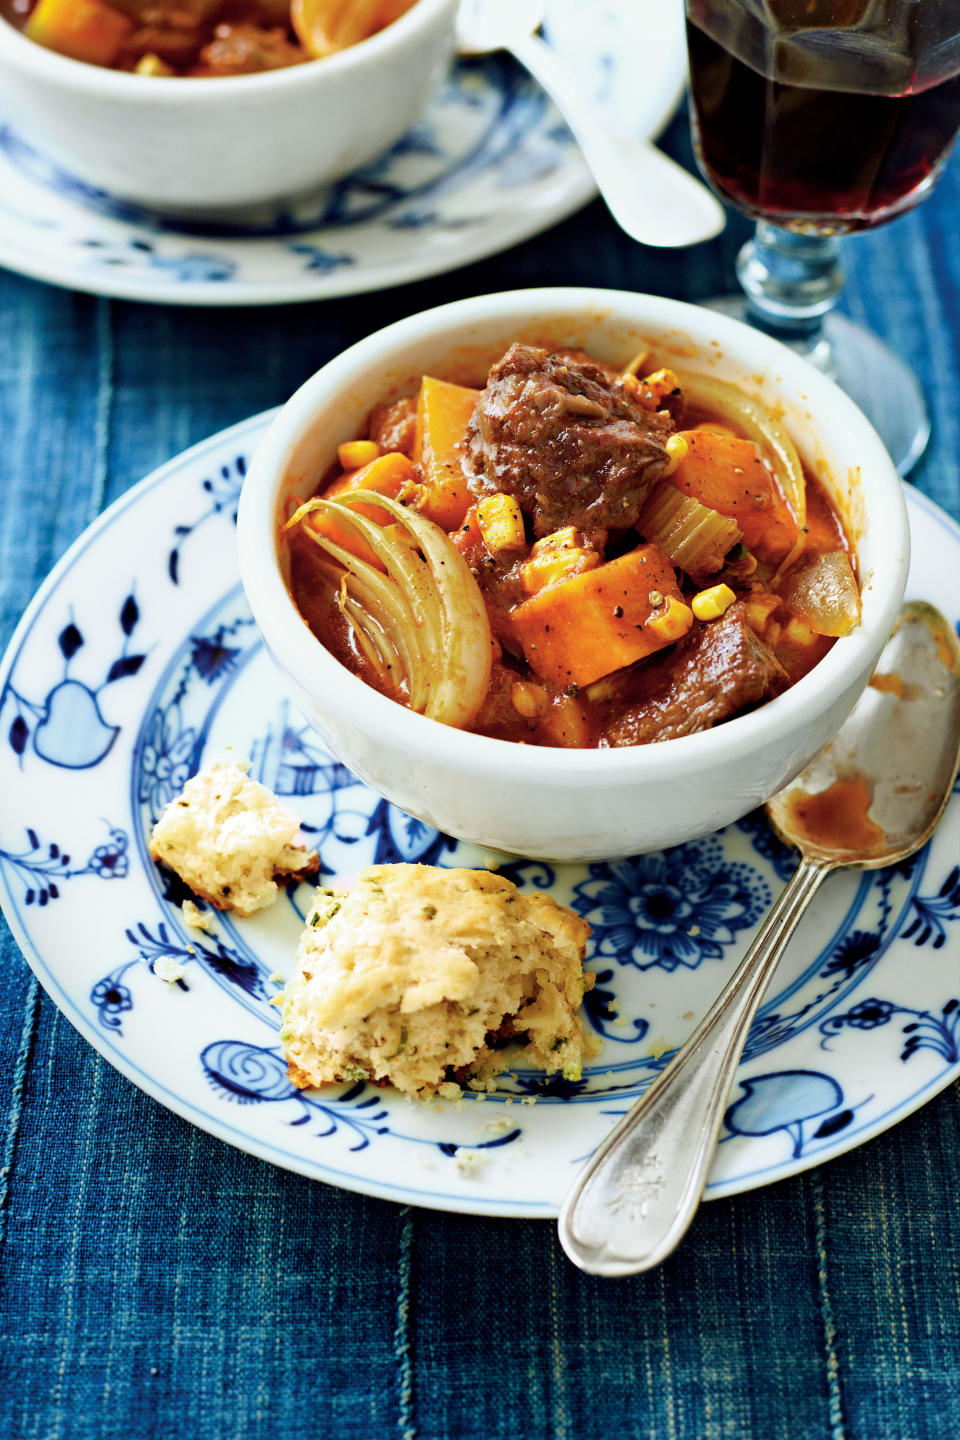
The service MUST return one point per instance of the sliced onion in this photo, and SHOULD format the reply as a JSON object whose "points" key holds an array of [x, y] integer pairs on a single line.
{"points": [[755, 421], [388, 636], [633, 366], [425, 619], [460, 686], [372, 639], [325, 26], [825, 594]]}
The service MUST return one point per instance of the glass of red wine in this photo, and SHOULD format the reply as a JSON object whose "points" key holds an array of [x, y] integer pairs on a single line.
{"points": [[818, 118]]}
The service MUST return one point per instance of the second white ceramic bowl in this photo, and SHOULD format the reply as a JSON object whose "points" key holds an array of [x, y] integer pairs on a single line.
{"points": [[205, 146], [573, 804]]}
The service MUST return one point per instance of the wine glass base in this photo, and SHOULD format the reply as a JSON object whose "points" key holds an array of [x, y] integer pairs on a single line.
{"points": [[877, 380]]}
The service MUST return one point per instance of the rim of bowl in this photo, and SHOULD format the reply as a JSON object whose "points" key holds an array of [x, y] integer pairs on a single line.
{"points": [[312, 667], [89, 79]]}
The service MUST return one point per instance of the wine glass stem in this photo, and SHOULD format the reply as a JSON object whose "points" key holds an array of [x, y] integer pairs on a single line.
{"points": [[791, 282]]}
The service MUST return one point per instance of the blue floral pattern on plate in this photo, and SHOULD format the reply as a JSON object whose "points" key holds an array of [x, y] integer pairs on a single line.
{"points": [[679, 907], [861, 1025]]}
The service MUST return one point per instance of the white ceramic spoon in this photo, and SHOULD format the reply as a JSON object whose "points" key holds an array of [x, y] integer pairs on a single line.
{"points": [[652, 198]]}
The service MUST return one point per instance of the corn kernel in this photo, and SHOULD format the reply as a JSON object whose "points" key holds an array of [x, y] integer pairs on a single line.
{"points": [[661, 382], [759, 610], [601, 690], [676, 447], [528, 700], [151, 64], [672, 622], [501, 523], [355, 453], [797, 633], [568, 538], [413, 496], [556, 557], [711, 604]]}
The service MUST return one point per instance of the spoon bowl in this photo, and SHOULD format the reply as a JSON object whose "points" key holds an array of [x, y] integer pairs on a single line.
{"points": [[872, 797], [887, 776]]}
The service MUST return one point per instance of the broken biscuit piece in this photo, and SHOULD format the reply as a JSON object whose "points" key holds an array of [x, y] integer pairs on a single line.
{"points": [[195, 917], [420, 976], [230, 840]]}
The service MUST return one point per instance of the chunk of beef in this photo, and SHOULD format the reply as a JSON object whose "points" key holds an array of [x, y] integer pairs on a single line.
{"points": [[500, 578], [175, 14], [394, 427], [246, 50], [721, 668], [174, 32], [567, 440]]}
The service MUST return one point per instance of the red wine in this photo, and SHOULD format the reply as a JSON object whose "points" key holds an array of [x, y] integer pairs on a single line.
{"points": [[823, 115]]}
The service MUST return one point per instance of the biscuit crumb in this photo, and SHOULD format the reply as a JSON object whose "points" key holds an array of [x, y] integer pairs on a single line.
{"points": [[195, 918], [497, 1127], [168, 969]]}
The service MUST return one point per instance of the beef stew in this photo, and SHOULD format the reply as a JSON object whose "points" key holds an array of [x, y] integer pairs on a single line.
{"points": [[199, 38], [615, 558]]}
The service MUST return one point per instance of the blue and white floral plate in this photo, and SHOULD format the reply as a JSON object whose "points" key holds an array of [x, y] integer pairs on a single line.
{"points": [[138, 662], [490, 164]]}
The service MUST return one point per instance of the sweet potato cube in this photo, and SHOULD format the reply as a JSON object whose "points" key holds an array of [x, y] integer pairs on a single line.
{"points": [[443, 411], [728, 474], [81, 29], [580, 629]]}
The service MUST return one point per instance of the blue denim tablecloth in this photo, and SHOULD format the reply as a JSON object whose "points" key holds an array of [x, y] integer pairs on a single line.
{"points": [[156, 1283]]}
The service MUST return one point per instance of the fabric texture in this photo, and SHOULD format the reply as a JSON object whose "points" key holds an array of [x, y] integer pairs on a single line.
{"points": [[156, 1282]]}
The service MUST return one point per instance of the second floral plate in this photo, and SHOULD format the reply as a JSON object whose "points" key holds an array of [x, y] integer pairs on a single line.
{"points": [[490, 164], [138, 662]]}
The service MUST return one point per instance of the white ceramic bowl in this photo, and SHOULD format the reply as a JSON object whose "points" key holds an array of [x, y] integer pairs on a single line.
{"points": [[573, 804], [202, 146]]}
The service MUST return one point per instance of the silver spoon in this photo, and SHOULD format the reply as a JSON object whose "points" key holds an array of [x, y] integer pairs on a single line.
{"points": [[871, 798], [652, 198]]}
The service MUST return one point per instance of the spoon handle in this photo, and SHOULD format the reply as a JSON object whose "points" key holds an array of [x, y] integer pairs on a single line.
{"points": [[652, 198], [641, 1187]]}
